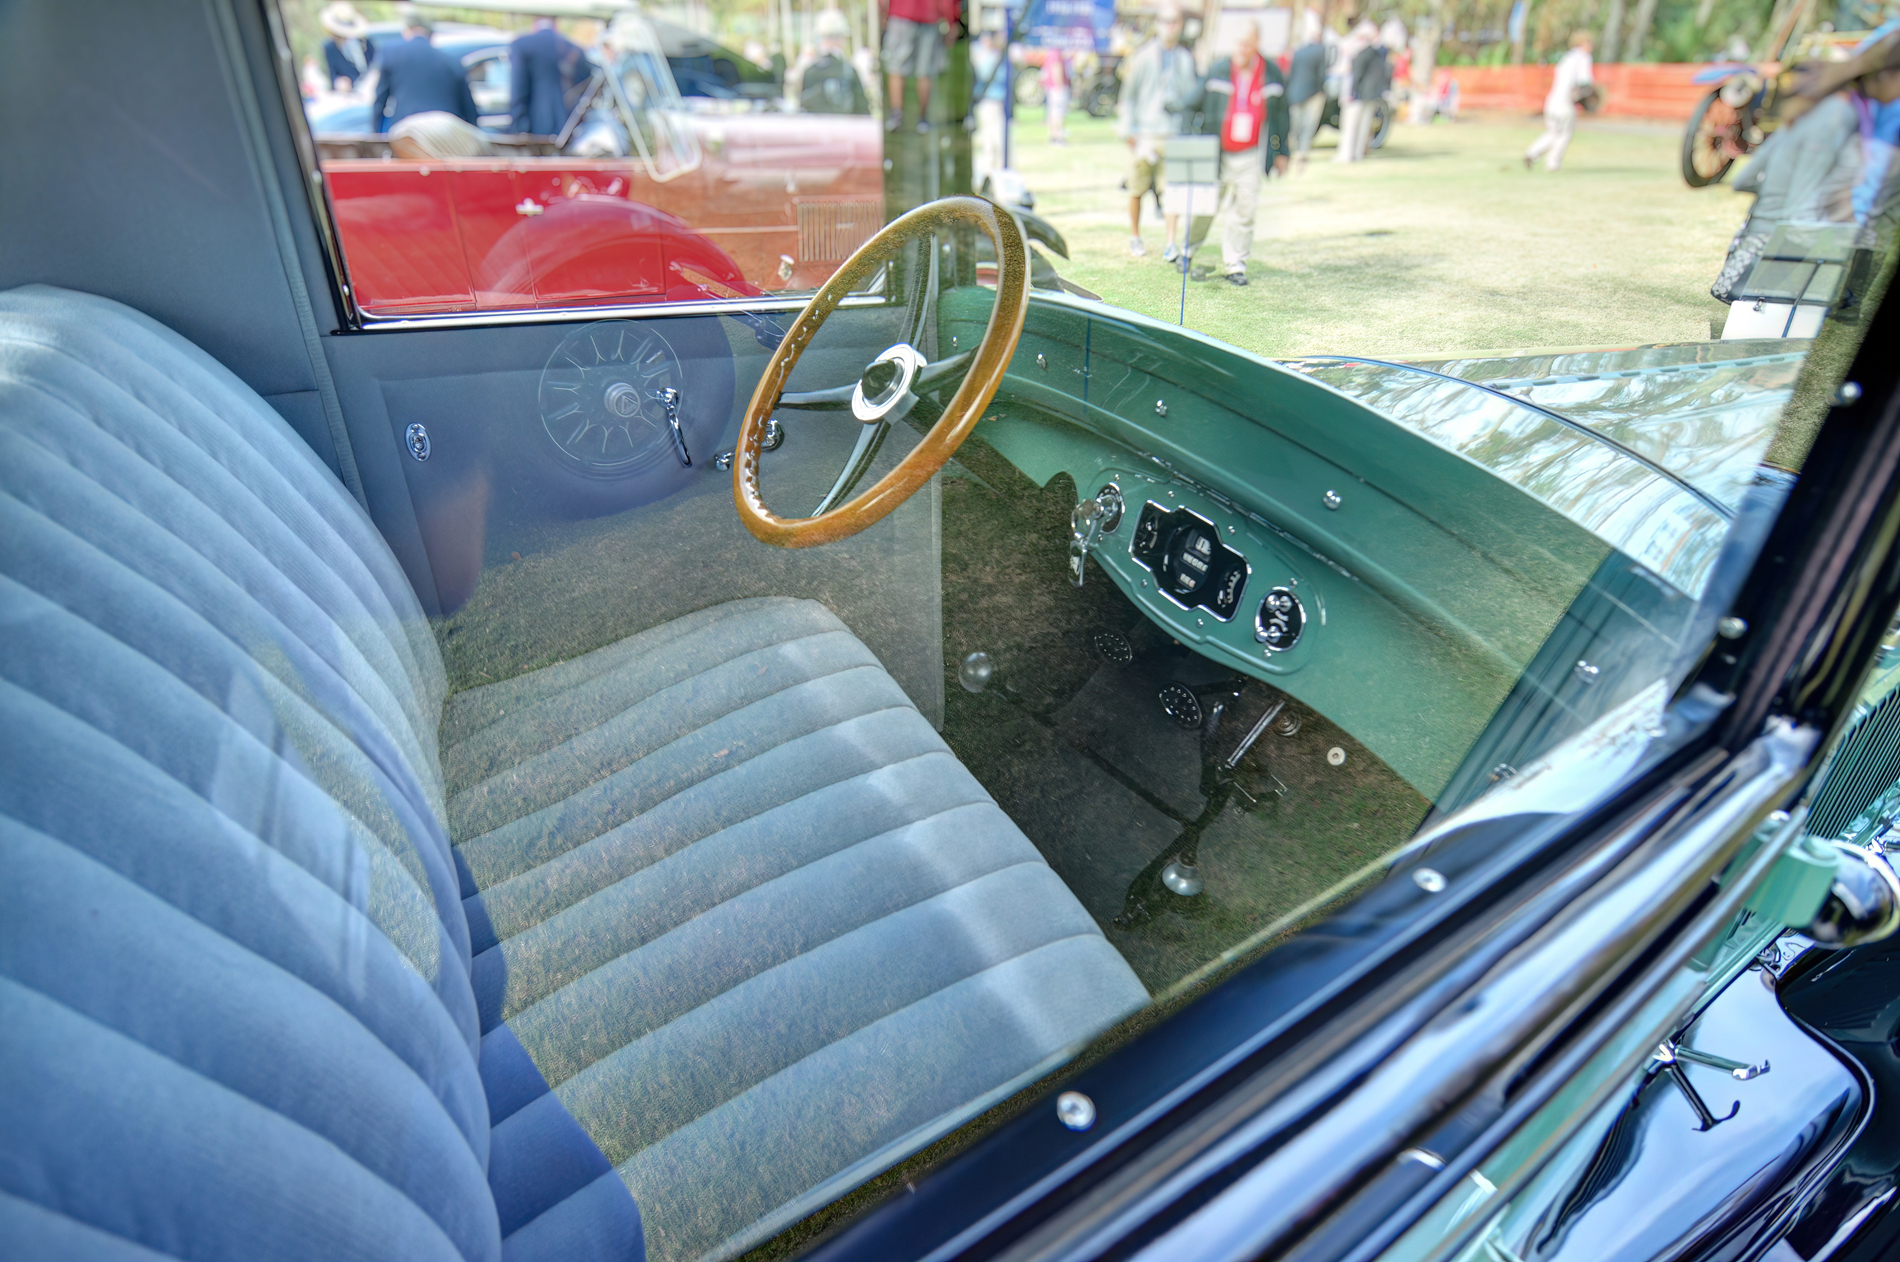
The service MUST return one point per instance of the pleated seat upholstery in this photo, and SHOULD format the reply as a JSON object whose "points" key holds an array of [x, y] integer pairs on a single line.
{"points": [[673, 942]]}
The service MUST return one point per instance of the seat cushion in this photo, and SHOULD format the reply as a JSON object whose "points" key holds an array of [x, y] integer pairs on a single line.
{"points": [[295, 965], [235, 1011], [737, 908]]}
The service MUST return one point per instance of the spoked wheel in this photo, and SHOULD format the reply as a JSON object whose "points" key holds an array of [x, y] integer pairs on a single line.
{"points": [[1711, 141]]}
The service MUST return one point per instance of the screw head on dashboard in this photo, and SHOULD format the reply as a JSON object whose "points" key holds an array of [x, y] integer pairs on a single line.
{"points": [[1161, 407], [1042, 361], [1336, 756], [1331, 499]]}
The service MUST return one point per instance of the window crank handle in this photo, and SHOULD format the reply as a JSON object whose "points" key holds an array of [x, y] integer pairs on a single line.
{"points": [[669, 398]]}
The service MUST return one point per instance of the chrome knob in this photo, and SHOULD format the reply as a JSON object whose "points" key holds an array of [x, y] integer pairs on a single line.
{"points": [[1090, 520]]}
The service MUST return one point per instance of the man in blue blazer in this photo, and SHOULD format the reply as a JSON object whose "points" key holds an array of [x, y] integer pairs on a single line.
{"points": [[415, 77], [543, 67]]}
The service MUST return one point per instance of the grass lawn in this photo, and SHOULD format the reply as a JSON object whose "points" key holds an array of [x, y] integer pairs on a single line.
{"points": [[1441, 241]]}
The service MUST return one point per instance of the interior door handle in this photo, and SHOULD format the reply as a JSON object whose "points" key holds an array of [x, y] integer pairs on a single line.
{"points": [[529, 207]]}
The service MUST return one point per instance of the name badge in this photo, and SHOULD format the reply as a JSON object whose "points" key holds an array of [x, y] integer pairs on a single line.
{"points": [[1240, 128]]}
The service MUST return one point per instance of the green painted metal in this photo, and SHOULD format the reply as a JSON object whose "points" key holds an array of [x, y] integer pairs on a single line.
{"points": [[1444, 576], [1544, 1159], [1797, 885]]}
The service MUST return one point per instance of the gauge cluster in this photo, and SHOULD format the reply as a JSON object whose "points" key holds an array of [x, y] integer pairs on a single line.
{"points": [[1217, 577]]}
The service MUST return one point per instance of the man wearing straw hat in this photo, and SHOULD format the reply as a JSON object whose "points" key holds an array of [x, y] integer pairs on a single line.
{"points": [[345, 55]]}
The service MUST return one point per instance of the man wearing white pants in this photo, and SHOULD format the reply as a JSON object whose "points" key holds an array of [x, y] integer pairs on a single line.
{"points": [[1245, 99], [1357, 52], [1573, 75], [988, 66]]}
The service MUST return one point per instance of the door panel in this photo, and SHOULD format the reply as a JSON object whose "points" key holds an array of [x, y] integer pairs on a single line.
{"points": [[495, 226], [398, 230]]}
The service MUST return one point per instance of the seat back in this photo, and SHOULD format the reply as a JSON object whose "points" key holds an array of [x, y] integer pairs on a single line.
{"points": [[235, 1010]]}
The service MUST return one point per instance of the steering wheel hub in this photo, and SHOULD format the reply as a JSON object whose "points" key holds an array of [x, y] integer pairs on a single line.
{"points": [[889, 385]]}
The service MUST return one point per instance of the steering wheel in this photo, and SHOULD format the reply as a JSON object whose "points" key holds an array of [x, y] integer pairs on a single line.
{"points": [[890, 384]]}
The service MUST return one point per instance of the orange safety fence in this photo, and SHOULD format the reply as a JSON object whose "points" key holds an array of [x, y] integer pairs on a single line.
{"points": [[1664, 90]]}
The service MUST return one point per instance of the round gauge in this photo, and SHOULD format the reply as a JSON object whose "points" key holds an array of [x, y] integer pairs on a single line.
{"points": [[1189, 562], [610, 400], [1280, 621]]}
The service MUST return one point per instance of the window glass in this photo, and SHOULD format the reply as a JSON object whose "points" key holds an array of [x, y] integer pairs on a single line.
{"points": [[595, 179], [1396, 412]]}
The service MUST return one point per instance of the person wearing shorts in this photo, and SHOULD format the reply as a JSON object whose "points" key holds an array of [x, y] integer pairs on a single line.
{"points": [[1157, 88], [913, 49]]}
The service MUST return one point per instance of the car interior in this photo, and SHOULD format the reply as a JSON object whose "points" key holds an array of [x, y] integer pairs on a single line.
{"points": [[517, 787]]}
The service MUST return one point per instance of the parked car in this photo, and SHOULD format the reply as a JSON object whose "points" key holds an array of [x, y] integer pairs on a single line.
{"points": [[601, 213], [936, 768]]}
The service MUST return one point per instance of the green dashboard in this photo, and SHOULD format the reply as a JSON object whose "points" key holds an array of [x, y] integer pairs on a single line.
{"points": [[1399, 588]]}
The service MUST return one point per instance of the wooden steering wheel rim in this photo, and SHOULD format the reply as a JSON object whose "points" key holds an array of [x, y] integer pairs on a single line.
{"points": [[987, 366]]}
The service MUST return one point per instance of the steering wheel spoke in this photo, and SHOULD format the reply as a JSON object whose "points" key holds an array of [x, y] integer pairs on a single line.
{"points": [[932, 377], [893, 386], [863, 452]]}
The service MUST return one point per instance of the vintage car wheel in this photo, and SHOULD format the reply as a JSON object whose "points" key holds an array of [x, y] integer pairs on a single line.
{"points": [[887, 382], [1710, 141]]}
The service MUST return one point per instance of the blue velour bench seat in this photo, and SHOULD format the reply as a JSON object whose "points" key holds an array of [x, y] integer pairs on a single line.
{"points": [[661, 948]]}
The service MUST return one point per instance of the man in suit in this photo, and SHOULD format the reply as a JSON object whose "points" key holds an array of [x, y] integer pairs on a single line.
{"points": [[1306, 88], [1243, 101], [415, 77], [544, 66]]}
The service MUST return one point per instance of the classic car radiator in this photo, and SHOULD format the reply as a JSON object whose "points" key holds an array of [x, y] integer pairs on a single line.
{"points": [[829, 230]]}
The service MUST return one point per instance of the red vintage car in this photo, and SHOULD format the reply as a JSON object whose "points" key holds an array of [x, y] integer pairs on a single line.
{"points": [[640, 199]]}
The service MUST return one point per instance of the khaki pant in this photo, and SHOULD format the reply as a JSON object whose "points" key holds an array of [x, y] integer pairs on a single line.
{"points": [[1355, 131], [1558, 128], [988, 155], [1238, 201], [1240, 176], [1305, 119]]}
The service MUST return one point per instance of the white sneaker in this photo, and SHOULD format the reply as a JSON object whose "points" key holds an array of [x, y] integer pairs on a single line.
{"points": [[1136, 249], [1170, 252]]}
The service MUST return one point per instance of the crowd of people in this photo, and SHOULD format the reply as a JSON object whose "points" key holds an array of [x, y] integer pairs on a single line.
{"points": [[408, 73], [1264, 114], [1243, 117], [412, 76]]}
